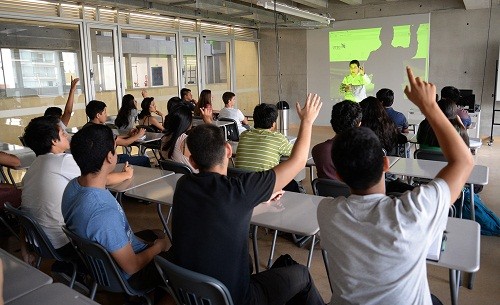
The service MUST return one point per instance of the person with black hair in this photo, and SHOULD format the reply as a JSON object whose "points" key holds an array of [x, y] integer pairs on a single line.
{"points": [[218, 230], [46, 178], [426, 136], [345, 115], [386, 96], [229, 99], [452, 93], [68, 108], [127, 114], [187, 98], [97, 113], [353, 86], [377, 244], [92, 212], [375, 118], [146, 117]]}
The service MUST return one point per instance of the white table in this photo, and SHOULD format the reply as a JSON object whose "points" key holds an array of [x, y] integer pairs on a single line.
{"points": [[53, 294], [150, 137], [429, 169], [160, 191], [462, 251], [142, 175], [20, 278], [294, 213], [25, 155]]}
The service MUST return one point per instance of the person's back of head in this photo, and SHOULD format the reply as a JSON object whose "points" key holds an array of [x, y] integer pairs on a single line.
{"points": [[93, 108], [376, 118], [40, 134], [207, 146], [358, 158], [265, 115], [386, 96], [173, 103], [90, 147], [451, 93], [449, 108], [227, 96], [345, 115], [184, 92], [177, 123], [128, 104], [354, 61], [53, 111]]}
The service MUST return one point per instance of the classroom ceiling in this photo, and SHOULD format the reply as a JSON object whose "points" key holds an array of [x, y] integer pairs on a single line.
{"points": [[253, 14]]}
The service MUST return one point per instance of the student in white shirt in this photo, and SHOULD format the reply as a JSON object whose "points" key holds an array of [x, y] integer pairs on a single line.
{"points": [[229, 99]]}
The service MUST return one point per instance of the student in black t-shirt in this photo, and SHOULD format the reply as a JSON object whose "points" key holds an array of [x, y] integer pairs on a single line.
{"points": [[212, 212]]}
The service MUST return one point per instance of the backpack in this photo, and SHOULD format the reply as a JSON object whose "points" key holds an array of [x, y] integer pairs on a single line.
{"points": [[490, 223]]}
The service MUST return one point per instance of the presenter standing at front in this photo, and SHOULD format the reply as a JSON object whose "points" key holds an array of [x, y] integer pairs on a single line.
{"points": [[353, 85]]}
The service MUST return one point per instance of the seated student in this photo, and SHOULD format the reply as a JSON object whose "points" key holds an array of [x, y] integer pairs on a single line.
{"points": [[261, 148], [173, 143], [211, 217], [205, 102], [345, 115], [127, 114], [230, 112], [376, 244], [386, 96], [96, 111], [46, 178], [426, 136], [8, 192], [68, 108], [91, 212], [375, 118], [452, 93], [187, 98], [146, 117]]}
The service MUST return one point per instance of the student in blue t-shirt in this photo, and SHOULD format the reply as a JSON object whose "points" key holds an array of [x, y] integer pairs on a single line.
{"points": [[92, 212], [386, 96]]}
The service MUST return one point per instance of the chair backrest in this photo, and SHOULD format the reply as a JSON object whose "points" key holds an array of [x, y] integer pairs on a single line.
{"points": [[101, 265], [192, 288], [231, 130], [428, 154], [330, 187], [35, 236], [148, 128], [176, 167]]}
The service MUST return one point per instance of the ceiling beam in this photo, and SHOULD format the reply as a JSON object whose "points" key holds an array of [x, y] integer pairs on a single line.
{"points": [[353, 2], [314, 3], [476, 4]]}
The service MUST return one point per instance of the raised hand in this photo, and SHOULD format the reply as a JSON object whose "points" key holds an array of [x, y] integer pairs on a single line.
{"points": [[74, 82], [421, 93], [311, 108]]}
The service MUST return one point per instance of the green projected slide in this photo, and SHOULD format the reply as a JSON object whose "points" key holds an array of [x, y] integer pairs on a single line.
{"points": [[384, 52]]}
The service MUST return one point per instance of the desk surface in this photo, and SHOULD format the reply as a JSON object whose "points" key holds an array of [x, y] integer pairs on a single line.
{"points": [[150, 137], [293, 213], [462, 246], [217, 123], [53, 294], [160, 191], [429, 169], [25, 154], [20, 278], [142, 175]]}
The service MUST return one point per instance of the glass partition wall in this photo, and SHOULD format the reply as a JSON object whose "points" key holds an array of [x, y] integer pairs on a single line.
{"points": [[38, 58]]}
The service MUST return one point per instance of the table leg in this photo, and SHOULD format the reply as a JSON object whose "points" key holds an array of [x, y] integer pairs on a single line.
{"points": [[255, 249], [163, 221], [454, 286], [473, 218], [309, 258], [273, 246]]}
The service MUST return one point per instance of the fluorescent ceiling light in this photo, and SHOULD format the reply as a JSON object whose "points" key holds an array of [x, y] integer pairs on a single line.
{"points": [[291, 10]]}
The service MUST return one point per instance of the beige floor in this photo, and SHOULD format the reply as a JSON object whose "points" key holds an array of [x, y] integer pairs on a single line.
{"points": [[485, 292]]}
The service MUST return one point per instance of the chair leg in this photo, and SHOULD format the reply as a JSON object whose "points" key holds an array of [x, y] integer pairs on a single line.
{"points": [[93, 290], [325, 261], [73, 276], [38, 262]]}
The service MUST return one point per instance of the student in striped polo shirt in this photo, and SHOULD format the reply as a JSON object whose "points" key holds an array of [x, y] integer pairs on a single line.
{"points": [[261, 148]]}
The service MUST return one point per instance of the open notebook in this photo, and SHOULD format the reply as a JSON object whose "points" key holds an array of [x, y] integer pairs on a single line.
{"points": [[437, 247]]}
